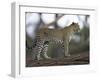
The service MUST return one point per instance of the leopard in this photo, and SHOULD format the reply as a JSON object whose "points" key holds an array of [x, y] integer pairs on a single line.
{"points": [[45, 36]]}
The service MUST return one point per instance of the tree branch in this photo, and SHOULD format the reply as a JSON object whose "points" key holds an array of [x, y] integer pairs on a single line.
{"points": [[59, 17]]}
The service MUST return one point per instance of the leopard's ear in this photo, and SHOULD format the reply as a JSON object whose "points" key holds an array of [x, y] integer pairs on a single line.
{"points": [[73, 23]]}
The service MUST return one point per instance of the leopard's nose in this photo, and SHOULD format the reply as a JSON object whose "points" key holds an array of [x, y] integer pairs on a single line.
{"points": [[79, 28]]}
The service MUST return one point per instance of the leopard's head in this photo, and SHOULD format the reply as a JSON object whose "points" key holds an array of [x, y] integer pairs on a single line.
{"points": [[75, 27]]}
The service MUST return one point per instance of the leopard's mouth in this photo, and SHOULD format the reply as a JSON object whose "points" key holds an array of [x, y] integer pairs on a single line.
{"points": [[76, 30]]}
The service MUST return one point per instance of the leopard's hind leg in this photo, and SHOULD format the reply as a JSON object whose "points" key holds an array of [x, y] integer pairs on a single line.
{"points": [[37, 50], [45, 49]]}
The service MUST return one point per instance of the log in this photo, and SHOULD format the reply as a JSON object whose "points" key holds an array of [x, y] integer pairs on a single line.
{"points": [[75, 59]]}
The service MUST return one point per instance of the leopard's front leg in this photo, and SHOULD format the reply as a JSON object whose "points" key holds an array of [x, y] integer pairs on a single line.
{"points": [[66, 47]]}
